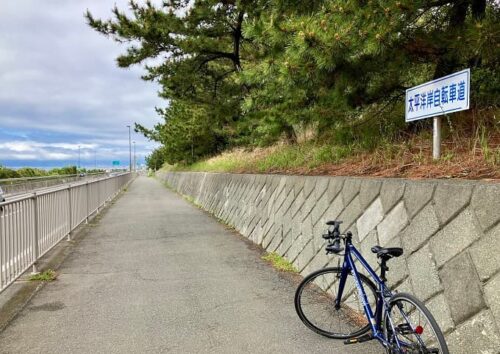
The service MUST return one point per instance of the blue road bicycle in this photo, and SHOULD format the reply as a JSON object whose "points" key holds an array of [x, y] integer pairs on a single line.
{"points": [[341, 303]]}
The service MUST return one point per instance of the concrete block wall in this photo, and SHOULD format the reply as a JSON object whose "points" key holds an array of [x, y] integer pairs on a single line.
{"points": [[450, 232]]}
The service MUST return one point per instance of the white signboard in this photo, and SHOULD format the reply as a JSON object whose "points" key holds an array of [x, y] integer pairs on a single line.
{"points": [[441, 96]]}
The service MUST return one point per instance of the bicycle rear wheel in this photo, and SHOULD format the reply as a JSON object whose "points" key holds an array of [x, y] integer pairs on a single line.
{"points": [[315, 304], [410, 323]]}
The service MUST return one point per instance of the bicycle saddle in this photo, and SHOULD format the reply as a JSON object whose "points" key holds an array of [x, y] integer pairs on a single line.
{"points": [[387, 253]]}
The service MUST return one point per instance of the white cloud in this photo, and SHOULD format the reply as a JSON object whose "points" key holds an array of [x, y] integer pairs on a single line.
{"points": [[72, 146], [56, 155], [17, 146], [24, 156], [20, 146]]}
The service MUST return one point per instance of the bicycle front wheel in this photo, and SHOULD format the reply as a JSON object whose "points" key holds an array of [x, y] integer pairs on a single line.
{"points": [[315, 304], [411, 328]]}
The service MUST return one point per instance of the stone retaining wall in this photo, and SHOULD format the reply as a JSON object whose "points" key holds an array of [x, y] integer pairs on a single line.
{"points": [[450, 231]]}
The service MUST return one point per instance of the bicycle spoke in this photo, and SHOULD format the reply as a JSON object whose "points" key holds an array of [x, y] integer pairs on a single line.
{"points": [[412, 326]]}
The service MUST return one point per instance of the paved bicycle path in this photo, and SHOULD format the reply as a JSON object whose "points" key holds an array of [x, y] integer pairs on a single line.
{"points": [[158, 275]]}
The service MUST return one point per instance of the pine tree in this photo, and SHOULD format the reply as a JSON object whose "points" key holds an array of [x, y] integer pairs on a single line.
{"points": [[198, 51]]}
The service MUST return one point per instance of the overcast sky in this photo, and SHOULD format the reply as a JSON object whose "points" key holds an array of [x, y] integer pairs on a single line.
{"points": [[60, 87]]}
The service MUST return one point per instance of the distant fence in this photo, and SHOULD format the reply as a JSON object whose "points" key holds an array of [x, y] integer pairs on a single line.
{"points": [[32, 224]]}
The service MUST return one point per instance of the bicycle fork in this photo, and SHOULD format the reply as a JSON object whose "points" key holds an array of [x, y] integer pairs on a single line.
{"points": [[350, 268]]}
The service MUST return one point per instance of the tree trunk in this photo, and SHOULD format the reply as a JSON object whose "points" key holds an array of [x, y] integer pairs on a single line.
{"points": [[446, 62], [237, 35], [290, 135], [478, 9]]}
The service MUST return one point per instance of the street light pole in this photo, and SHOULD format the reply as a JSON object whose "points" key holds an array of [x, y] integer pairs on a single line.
{"points": [[129, 149], [78, 157], [135, 164]]}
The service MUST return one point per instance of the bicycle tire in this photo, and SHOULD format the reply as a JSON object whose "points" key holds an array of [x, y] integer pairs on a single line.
{"points": [[418, 347], [355, 317]]}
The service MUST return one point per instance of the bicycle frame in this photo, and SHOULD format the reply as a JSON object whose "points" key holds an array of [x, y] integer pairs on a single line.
{"points": [[383, 291]]}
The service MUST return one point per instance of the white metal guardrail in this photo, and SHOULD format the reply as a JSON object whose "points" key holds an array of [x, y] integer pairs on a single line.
{"points": [[15, 186], [32, 224]]}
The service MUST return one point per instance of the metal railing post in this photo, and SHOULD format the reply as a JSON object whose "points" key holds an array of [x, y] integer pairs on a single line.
{"points": [[98, 196], [88, 212], [70, 213], [2, 251], [35, 233]]}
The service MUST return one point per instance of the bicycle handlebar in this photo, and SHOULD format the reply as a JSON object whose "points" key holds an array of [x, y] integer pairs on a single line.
{"points": [[331, 235], [334, 237]]}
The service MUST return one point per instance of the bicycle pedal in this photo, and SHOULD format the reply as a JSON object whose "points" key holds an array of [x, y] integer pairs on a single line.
{"points": [[404, 329], [361, 339]]}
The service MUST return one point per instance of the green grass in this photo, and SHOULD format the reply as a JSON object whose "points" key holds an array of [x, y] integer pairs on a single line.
{"points": [[303, 155], [228, 164], [280, 157], [279, 262], [48, 275], [189, 199], [225, 163]]}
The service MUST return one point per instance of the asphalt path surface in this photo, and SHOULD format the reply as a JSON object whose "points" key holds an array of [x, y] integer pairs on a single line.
{"points": [[158, 275]]}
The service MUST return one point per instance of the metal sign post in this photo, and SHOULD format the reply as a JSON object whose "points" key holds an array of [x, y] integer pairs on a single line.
{"points": [[434, 98], [436, 138]]}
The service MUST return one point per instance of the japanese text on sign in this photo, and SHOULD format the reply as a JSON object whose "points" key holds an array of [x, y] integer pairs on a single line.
{"points": [[445, 95]]}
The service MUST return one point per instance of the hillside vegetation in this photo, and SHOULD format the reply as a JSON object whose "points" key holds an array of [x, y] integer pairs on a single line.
{"points": [[311, 83], [470, 158]]}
